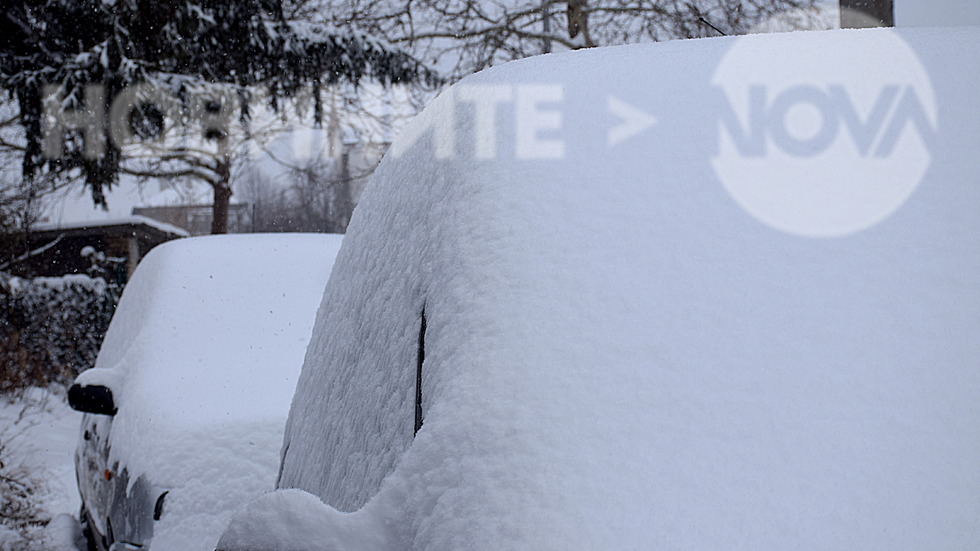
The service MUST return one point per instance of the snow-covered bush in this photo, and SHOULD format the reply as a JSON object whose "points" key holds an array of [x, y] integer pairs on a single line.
{"points": [[37, 494], [51, 327], [19, 512]]}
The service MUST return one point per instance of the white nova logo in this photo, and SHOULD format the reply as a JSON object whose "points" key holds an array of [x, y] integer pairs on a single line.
{"points": [[825, 142]]}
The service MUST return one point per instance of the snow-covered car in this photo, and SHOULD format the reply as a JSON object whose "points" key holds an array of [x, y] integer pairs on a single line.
{"points": [[557, 322], [188, 399]]}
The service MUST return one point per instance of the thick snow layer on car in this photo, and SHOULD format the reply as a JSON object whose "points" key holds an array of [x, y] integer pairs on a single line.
{"points": [[617, 355], [216, 317], [202, 356], [299, 521]]}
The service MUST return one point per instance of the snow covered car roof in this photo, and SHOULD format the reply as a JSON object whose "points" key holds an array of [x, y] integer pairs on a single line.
{"points": [[615, 352], [216, 317]]}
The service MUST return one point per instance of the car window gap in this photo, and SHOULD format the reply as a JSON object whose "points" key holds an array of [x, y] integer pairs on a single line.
{"points": [[418, 374]]}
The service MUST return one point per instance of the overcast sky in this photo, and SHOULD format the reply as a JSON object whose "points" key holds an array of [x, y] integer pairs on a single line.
{"points": [[921, 13]]}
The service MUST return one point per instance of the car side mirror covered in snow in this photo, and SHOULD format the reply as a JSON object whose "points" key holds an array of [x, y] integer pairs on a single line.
{"points": [[95, 399]]}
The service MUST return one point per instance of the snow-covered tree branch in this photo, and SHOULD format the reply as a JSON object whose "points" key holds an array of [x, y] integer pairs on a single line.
{"points": [[240, 45], [463, 36]]}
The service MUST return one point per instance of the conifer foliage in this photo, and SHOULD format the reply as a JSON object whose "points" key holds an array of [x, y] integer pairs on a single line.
{"points": [[118, 43]]}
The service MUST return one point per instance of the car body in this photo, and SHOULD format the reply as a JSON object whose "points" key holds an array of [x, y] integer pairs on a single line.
{"points": [[186, 404], [542, 332]]}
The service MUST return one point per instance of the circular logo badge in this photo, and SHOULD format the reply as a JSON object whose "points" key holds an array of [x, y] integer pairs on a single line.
{"points": [[826, 135]]}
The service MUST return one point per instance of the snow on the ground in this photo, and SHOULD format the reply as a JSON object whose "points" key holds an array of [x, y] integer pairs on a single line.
{"points": [[39, 432]]}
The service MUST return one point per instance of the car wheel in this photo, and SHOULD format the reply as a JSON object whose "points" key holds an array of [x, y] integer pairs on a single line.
{"points": [[91, 541]]}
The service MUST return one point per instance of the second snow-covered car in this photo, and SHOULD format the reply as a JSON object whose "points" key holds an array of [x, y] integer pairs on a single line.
{"points": [[186, 404]]}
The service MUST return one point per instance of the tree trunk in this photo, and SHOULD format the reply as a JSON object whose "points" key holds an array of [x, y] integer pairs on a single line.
{"points": [[546, 24], [859, 14], [222, 198], [578, 22], [345, 205]]}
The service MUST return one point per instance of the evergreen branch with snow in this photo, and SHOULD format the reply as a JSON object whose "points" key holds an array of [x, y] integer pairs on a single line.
{"points": [[241, 44]]}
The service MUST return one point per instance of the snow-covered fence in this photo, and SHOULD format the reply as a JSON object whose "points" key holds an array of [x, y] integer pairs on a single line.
{"points": [[51, 327]]}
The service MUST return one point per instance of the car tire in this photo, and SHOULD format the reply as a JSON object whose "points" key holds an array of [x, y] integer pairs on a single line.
{"points": [[91, 541]]}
